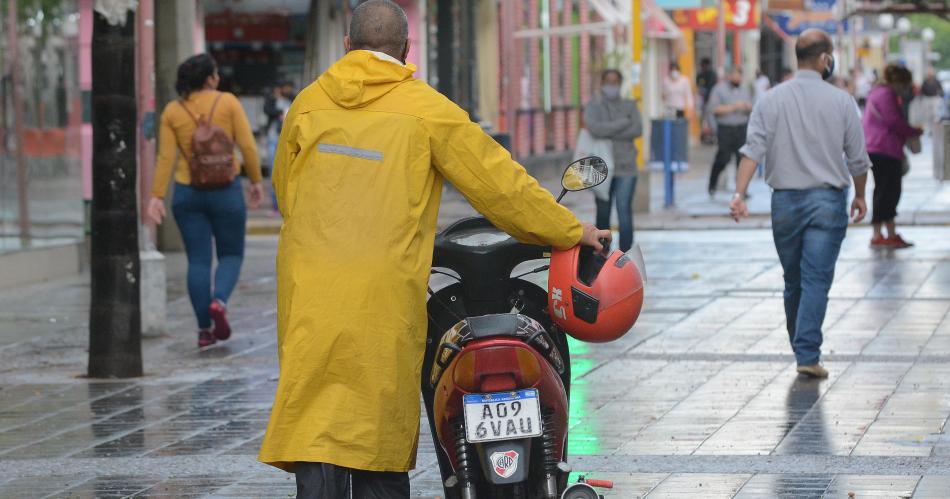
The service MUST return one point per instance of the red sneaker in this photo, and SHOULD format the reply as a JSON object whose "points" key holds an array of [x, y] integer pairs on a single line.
{"points": [[879, 242], [205, 338], [219, 314], [898, 242]]}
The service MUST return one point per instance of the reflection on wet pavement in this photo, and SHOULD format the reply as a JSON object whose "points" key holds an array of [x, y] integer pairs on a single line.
{"points": [[700, 400]]}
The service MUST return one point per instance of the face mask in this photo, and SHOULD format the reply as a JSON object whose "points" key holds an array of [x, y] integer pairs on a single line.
{"points": [[829, 69], [611, 91], [674, 74]]}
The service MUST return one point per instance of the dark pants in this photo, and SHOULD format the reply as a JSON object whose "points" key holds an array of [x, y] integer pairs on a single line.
{"points": [[731, 138], [203, 216], [808, 227], [621, 190], [327, 481], [888, 173]]}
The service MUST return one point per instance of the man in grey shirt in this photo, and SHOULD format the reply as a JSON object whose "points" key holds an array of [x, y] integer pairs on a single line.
{"points": [[730, 102], [809, 135]]}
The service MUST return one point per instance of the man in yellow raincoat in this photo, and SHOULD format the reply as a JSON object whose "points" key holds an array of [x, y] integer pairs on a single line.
{"points": [[358, 176]]}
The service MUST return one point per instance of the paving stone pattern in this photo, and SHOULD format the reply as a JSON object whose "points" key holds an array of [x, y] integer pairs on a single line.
{"points": [[700, 400]]}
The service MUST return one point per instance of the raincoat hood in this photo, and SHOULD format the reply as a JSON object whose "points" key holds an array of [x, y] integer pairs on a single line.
{"points": [[360, 78]]}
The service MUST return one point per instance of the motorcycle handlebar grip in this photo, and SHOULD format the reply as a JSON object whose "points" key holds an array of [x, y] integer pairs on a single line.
{"points": [[602, 484]]}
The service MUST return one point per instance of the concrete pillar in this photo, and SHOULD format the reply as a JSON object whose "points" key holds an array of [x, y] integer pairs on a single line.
{"points": [[749, 40], [153, 293], [327, 27], [174, 42], [152, 284]]}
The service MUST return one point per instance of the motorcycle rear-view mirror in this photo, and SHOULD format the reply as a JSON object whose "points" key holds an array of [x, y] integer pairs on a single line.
{"points": [[583, 174]]}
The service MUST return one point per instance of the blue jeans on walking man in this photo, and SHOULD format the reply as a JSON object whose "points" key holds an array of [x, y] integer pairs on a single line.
{"points": [[808, 227], [621, 190]]}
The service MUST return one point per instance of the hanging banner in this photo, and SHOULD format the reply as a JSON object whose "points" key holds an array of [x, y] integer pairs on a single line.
{"points": [[740, 15], [678, 4], [794, 23], [806, 5]]}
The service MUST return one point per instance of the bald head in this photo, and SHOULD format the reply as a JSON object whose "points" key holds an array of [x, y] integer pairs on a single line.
{"points": [[379, 25], [812, 43]]}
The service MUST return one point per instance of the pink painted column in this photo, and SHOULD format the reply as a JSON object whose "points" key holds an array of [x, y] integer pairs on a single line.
{"points": [[85, 89], [198, 30], [573, 126], [585, 53], [522, 87], [557, 83], [534, 63], [511, 70], [415, 42], [145, 92]]}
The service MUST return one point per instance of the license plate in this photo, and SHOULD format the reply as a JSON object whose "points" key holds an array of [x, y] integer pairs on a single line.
{"points": [[502, 416]]}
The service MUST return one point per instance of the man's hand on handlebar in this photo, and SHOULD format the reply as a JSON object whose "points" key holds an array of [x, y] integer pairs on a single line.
{"points": [[595, 238]]}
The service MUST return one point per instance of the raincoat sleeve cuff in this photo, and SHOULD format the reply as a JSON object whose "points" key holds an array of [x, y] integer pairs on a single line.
{"points": [[572, 237]]}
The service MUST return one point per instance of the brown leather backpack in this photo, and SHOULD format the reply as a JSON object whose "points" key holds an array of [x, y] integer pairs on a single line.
{"points": [[212, 153]]}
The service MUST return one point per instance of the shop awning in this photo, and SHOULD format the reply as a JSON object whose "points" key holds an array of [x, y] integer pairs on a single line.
{"points": [[613, 13], [659, 24]]}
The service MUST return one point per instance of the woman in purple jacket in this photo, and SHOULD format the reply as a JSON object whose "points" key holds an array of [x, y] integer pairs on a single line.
{"points": [[886, 130]]}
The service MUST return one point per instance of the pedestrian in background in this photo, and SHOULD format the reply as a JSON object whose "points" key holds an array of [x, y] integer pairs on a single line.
{"points": [[706, 79], [801, 130], [205, 215], [886, 131], [276, 106], [678, 93], [762, 84], [862, 86], [610, 116], [931, 91], [730, 102], [787, 74]]}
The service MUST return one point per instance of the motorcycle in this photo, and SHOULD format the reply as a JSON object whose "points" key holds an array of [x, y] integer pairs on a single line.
{"points": [[496, 375]]}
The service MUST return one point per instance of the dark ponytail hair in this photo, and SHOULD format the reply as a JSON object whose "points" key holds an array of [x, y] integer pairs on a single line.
{"points": [[193, 73]]}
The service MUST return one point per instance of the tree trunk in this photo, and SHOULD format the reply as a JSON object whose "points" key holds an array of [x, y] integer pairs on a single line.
{"points": [[115, 349]]}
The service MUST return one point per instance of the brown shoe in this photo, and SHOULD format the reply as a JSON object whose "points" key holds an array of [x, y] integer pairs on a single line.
{"points": [[813, 371]]}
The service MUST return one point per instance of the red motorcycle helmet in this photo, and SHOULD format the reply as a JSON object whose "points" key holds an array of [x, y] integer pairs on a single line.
{"points": [[594, 297]]}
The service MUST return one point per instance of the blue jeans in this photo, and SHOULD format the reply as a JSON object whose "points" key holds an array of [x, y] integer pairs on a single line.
{"points": [[808, 227], [621, 190], [220, 215]]}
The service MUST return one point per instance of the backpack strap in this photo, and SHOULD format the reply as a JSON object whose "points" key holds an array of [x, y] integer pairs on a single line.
{"points": [[181, 102], [214, 106]]}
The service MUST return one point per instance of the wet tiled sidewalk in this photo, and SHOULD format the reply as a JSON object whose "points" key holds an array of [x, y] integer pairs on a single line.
{"points": [[700, 400]]}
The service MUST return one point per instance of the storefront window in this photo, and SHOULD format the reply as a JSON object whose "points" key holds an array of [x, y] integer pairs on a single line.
{"points": [[41, 195]]}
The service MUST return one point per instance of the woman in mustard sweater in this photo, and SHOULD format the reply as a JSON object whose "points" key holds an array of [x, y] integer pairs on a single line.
{"points": [[204, 215]]}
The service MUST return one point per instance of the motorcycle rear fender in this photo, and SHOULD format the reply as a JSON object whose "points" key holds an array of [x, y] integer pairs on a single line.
{"points": [[498, 459]]}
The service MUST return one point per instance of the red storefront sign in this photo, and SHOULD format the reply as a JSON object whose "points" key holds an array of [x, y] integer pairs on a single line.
{"points": [[740, 15], [246, 27]]}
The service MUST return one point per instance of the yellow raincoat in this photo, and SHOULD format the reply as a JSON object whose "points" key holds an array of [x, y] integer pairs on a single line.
{"points": [[358, 176]]}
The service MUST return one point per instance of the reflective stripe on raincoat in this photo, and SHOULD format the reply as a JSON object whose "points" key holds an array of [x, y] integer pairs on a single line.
{"points": [[358, 176]]}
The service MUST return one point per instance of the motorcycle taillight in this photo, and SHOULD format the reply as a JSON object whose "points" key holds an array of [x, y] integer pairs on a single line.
{"points": [[475, 366]]}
